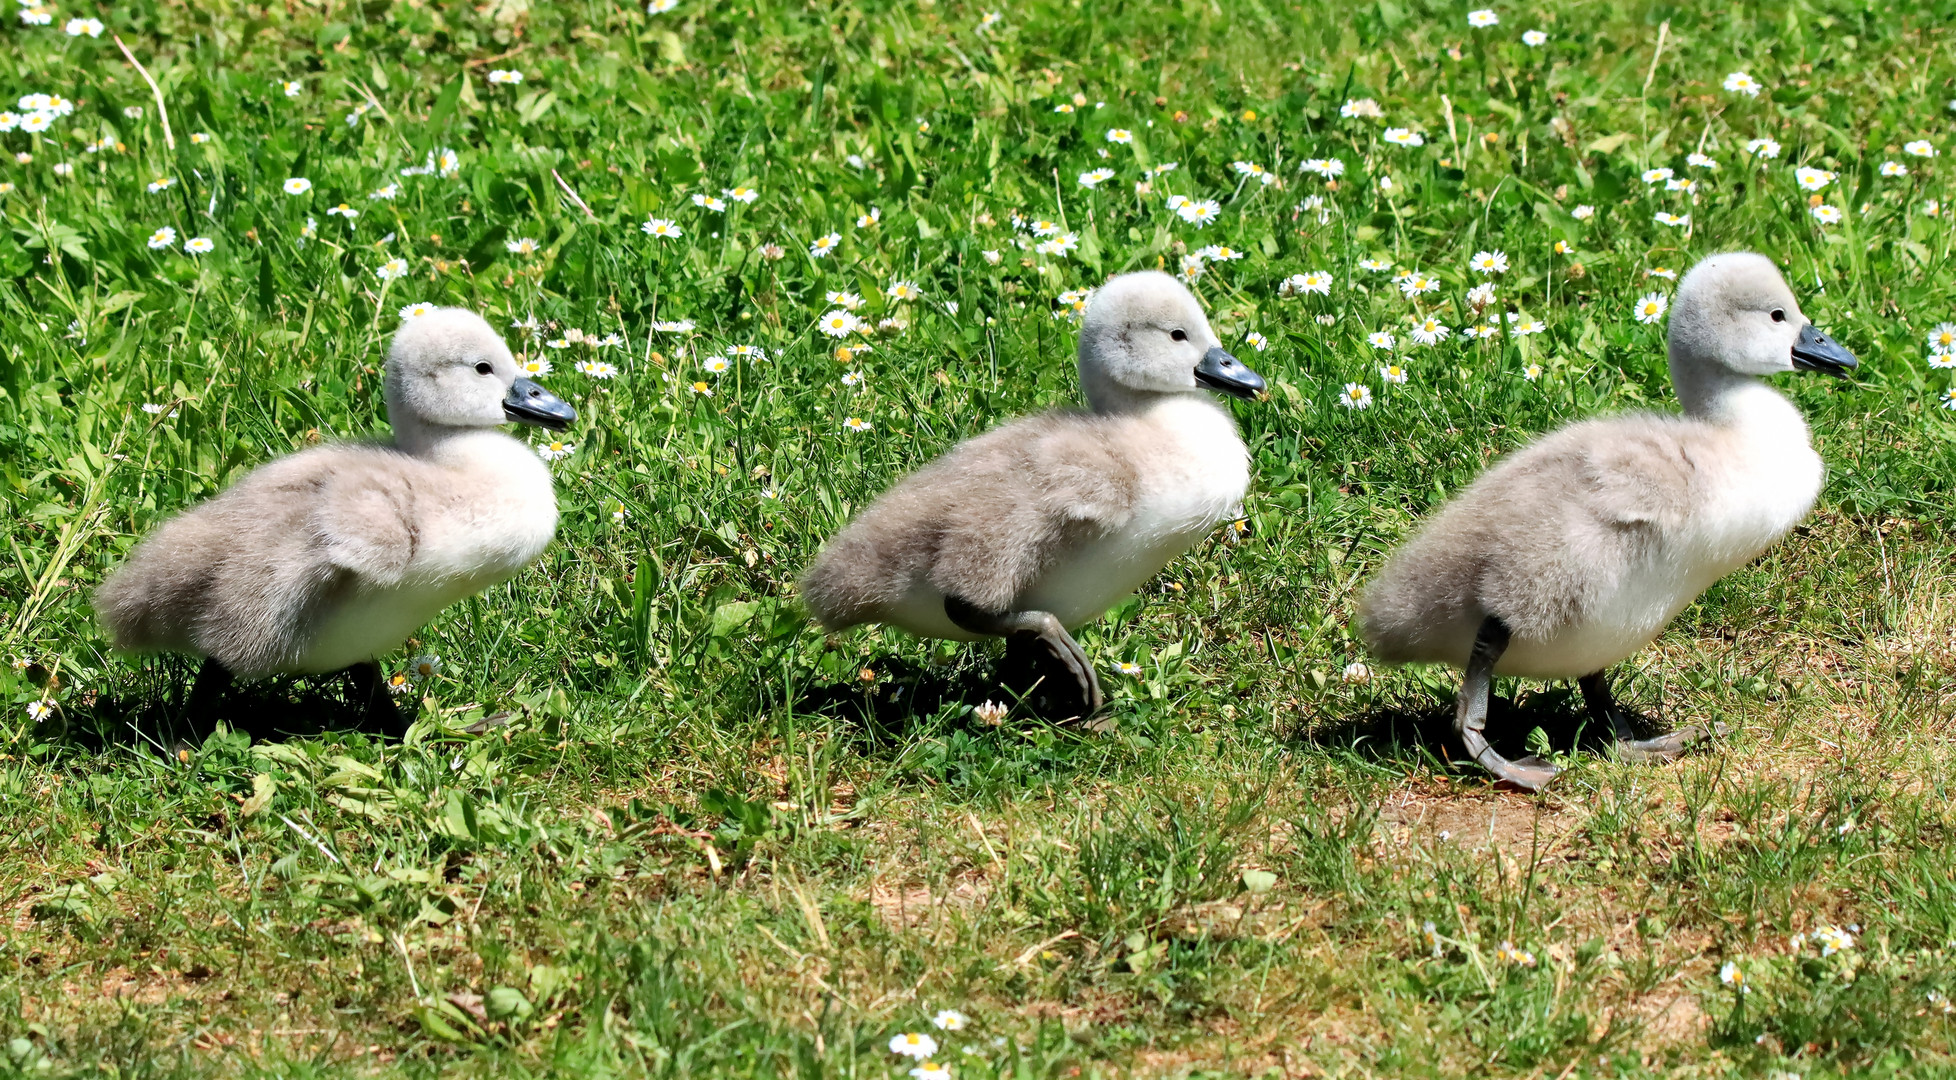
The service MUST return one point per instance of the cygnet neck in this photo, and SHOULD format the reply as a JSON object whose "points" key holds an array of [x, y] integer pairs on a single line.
{"points": [[1109, 398], [1710, 391], [423, 438]]}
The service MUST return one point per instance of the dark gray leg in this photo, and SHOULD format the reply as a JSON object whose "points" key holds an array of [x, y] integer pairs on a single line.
{"points": [[375, 703], [1470, 712], [1039, 625], [213, 680], [1602, 707]]}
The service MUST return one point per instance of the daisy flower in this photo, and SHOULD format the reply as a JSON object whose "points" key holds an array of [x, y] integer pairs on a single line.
{"points": [[902, 290], [1392, 373], [1650, 307], [1943, 337], [343, 210], [1534, 39], [1942, 360], [536, 367], [415, 311], [388, 192], [950, 1020], [741, 194], [522, 246], [1404, 137], [1700, 161], [823, 245], [1826, 215], [1380, 339], [1201, 212], [1374, 265], [662, 228], [931, 1070], [1094, 178], [700, 389], [1657, 175], [1765, 148], [1813, 179], [1356, 396], [292, 87], [391, 269], [839, 323], [847, 300], [556, 450], [857, 423], [1361, 109], [716, 365], [708, 202], [162, 183], [1681, 184], [1120, 135], [1522, 325], [1739, 82], [1129, 668], [1429, 331], [1489, 262], [36, 710], [1482, 19], [1949, 398], [1316, 281], [1583, 213], [660, 7], [1059, 245], [1675, 221], [505, 77], [162, 238], [1256, 341], [199, 245], [1532, 372], [1893, 168], [1919, 148], [297, 185], [1481, 332]]}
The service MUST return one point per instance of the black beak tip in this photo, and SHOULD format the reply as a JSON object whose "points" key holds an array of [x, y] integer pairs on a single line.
{"points": [[528, 403]]}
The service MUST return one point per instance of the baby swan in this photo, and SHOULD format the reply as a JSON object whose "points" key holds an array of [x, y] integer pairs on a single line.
{"points": [[1577, 550], [326, 559], [1043, 524]]}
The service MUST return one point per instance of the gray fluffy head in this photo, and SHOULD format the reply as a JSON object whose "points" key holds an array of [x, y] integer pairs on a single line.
{"points": [[1143, 335], [1733, 311], [448, 369]]}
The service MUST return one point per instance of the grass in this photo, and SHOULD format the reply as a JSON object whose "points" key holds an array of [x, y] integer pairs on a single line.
{"points": [[709, 841]]}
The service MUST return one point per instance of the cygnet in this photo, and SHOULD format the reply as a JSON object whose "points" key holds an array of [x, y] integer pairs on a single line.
{"points": [[326, 559], [1041, 525], [1576, 551]]}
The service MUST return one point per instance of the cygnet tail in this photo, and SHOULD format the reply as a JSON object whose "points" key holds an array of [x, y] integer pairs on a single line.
{"points": [[141, 613], [840, 591]]}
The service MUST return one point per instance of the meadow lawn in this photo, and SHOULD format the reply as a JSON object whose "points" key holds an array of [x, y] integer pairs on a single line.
{"points": [[652, 823]]}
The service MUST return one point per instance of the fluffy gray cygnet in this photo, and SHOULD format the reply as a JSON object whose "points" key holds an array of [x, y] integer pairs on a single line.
{"points": [[327, 559], [1576, 551], [1043, 524]]}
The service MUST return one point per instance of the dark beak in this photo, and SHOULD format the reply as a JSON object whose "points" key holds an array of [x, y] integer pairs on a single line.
{"points": [[1221, 371], [529, 403], [1816, 351]]}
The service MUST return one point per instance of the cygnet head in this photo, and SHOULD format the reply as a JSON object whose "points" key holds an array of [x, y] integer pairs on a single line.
{"points": [[449, 370], [1145, 335], [1734, 311]]}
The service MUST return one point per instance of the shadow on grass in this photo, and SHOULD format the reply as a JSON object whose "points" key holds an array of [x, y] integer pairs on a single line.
{"points": [[1414, 732], [151, 709], [900, 696]]}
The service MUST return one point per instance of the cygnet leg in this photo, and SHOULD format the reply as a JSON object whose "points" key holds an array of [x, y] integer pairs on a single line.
{"points": [[1602, 706], [1042, 625], [1470, 711], [213, 679], [375, 702]]}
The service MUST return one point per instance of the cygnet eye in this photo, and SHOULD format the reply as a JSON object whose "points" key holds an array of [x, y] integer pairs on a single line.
{"points": [[1179, 335], [484, 367], [1779, 314]]}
